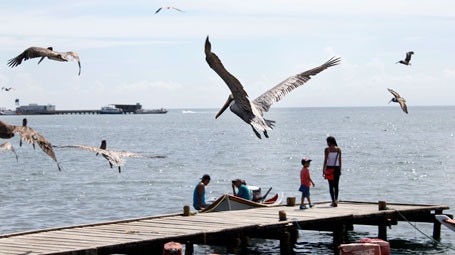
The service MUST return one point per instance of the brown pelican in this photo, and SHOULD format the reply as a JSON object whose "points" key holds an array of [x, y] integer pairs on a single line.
{"points": [[252, 111], [35, 52], [7, 89], [407, 59], [398, 99], [115, 158], [9, 147], [168, 7], [28, 135]]}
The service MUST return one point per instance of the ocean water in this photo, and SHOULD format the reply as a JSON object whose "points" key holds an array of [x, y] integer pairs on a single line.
{"points": [[387, 155]]}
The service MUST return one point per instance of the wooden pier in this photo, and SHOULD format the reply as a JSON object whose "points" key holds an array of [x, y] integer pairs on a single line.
{"points": [[230, 229]]}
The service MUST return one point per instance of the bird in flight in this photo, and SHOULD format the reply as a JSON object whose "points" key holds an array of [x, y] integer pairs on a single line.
{"points": [[28, 135], [398, 99], [115, 158], [7, 89], [252, 111], [168, 8], [407, 59], [9, 147], [35, 52]]}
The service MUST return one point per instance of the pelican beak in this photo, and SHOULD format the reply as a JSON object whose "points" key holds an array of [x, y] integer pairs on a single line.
{"points": [[391, 100], [225, 106]]}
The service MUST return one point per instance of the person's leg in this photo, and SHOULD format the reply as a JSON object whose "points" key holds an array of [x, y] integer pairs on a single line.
{"points": [[331, 190]]}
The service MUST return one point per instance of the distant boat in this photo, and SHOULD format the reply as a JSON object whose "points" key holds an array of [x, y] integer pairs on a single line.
{"points": [[110, 110], [7, 112], [151, 111]]}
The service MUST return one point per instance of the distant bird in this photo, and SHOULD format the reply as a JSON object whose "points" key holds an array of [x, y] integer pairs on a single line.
{"points": [[252, 111], [398, 99], [35, 52], [115, 158], [8, 146], [28, 135], [7, 89], [407, 59], [168, 7]]}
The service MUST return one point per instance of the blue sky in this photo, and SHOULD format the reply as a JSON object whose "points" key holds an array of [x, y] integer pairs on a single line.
{"points": [[131, 55]]}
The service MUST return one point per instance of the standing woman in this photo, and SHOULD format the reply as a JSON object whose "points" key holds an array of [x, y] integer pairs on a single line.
{"points": [[332, 160]]}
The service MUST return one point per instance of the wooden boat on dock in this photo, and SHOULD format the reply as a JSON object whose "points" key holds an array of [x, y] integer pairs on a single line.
{"points": [[229, 202], [446, 221]]}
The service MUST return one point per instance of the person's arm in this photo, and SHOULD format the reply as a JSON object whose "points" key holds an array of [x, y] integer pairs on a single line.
{"points": [[326, 154], [339, 158], [200, 191]]}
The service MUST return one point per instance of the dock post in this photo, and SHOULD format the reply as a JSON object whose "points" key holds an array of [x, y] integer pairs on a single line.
{"points": [[382, 232], [285, 244], [437, 226], [338, 237], [189, 248]]}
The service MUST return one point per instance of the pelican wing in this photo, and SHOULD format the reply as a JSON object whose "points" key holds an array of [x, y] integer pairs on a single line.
{"points": [[177, 9], [113, 157], [159, 9], [276, 93], [32, 52], [72, 56], [8, 146], [408, 56], [6, 130], [136, 155], [403, 106], [31, 136], [237, 90], [395, 94]]}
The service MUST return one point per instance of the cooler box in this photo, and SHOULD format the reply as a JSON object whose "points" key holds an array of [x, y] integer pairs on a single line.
{"points": [[385, 246], [360, 249]]}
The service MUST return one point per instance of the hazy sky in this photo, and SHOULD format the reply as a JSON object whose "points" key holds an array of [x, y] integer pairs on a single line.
{"points": [[131, 55]]}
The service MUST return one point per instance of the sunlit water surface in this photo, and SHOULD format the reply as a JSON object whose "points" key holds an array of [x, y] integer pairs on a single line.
{"points": [[387, 155]]}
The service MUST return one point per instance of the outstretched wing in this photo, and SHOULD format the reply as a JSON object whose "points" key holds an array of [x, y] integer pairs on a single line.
{"points": [[408, 56], [31, 136], [8, 146], [136, 155], [403, 106], [276, 93], [72, 56], [395, 94], [32, 52], [237, 90], [113, 157]]}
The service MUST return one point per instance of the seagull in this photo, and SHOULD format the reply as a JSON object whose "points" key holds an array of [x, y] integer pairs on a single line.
{"points": [[252, 111], [407, 59], [115, 158], [9, 147], [28, 135], [398, 99], [35, 52], [7, 89], [168, 7]]}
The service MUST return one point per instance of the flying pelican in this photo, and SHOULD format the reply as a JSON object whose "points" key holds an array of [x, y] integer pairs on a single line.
{"points": [[7, 89], [35, 52], [407, 59], [28, 135], [9, 147], [168, 7], [252, 111], [398, 99], [115, 158]]}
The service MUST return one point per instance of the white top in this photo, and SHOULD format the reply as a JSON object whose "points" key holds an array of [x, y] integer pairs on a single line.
{"points": [[332, 159]]}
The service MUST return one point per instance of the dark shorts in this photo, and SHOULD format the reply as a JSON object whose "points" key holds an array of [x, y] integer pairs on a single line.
{"points": [[305, 190]]}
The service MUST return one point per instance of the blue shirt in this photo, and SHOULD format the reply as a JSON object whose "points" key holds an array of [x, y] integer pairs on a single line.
{"points": [[196, 198], [244, 192]]}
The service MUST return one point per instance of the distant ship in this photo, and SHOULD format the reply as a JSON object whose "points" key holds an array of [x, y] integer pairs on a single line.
{"points": [[4, 111], [110, 110], [151, 111]]}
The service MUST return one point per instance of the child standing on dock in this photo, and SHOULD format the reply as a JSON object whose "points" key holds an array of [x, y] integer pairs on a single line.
{"points": [[305, 183]]}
